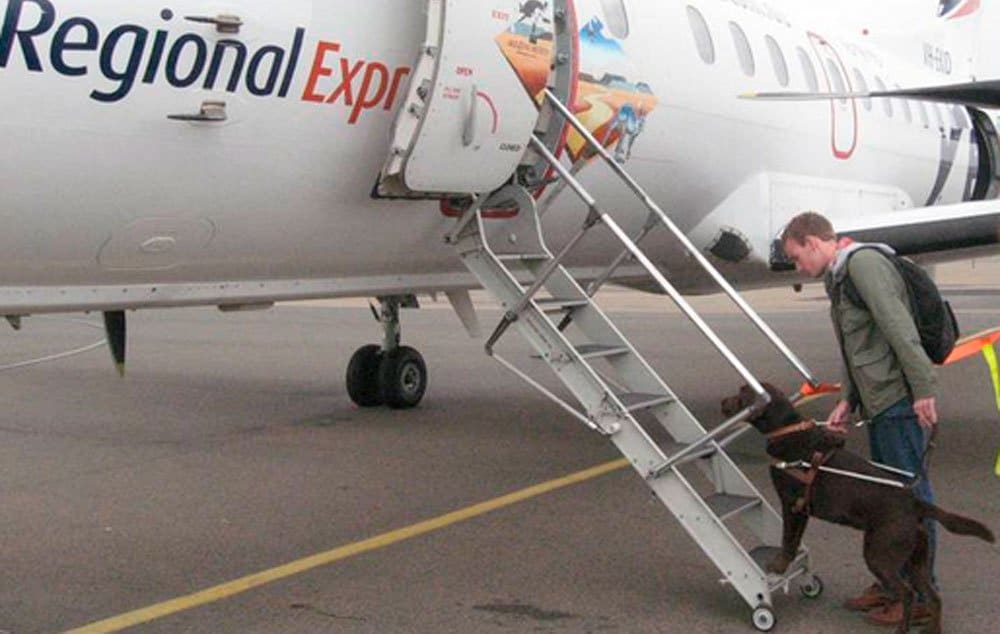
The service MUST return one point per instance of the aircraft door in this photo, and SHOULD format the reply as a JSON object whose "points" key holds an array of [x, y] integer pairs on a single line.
{"points": [[470, 109], [988, 177], [843, 112]]}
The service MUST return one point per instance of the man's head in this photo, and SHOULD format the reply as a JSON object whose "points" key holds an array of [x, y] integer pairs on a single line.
{"points": [[810, 242]]}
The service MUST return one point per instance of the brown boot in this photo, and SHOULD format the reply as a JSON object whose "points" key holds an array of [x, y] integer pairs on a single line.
{"points": [[892, 614], [873, 597]]}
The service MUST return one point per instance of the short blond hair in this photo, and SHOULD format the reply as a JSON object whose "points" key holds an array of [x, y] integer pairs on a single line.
{"points": [[807, 224]]}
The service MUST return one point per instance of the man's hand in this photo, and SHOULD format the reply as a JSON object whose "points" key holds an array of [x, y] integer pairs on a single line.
{"points": [[926, 409], [839, 417]]}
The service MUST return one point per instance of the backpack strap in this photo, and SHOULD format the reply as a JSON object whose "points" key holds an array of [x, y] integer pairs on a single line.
{"points": [[847, 284]]}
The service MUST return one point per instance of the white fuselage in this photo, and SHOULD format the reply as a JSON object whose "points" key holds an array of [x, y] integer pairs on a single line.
{"points": [[105, 201]]}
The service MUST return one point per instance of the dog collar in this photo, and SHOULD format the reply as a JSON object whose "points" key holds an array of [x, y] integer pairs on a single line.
{"points": [[791, 429]]}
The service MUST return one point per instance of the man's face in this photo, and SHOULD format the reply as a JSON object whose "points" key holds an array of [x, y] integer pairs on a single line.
{"points": [[810, 258]]}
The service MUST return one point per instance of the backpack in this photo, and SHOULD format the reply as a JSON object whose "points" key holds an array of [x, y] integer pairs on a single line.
{"points": [[932, 315]]}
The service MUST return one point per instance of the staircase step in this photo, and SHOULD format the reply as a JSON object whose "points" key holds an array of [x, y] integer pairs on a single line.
{"points": [[556, 305], [763, 555], [635, 401], [726, 506], [597, 350]]}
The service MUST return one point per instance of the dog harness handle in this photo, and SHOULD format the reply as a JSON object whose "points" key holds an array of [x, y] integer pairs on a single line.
{"points": [[804, 425]]}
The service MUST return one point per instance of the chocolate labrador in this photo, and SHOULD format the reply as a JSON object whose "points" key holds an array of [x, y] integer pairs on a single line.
{"points": [[890, 516]]}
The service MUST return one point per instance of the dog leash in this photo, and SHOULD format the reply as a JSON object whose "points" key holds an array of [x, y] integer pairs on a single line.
{"points": [[925, 460], [819, 464], [826, 423]]}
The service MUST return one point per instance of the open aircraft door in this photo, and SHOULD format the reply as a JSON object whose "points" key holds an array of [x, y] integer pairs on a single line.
{"points": [[470, 108]]}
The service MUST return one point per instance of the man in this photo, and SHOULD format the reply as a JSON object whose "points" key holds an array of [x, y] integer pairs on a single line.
{"points": [[886, 372]]}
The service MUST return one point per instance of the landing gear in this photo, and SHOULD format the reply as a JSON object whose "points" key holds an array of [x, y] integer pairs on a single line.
{"points": [[402, 378], [389, 374], [362, 376]]}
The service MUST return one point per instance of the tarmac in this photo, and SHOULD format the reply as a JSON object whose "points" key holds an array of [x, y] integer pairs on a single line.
{"points": [[227, 483]]}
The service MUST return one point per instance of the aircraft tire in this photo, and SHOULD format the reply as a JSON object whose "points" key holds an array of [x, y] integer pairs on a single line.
{"points": [[402, 378], [362, 376]]}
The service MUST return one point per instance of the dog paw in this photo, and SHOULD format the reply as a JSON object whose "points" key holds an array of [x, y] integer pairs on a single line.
{"points": [[779, 564]]}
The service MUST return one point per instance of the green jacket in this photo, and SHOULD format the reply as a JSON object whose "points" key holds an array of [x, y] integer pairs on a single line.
{"points": [[880, 347]]}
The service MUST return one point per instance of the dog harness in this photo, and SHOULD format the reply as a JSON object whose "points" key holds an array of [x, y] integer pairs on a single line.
{"points": [[806, 471]]}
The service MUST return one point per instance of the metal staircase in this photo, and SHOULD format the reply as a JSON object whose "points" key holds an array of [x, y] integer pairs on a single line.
{"points": [[691, 474]]}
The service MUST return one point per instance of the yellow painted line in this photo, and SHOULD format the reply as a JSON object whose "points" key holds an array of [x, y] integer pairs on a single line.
{"points": [[237, 586]]}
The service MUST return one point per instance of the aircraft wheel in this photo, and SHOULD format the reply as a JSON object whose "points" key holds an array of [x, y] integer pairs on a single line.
{"points": [[363, 376], [402, 378]]}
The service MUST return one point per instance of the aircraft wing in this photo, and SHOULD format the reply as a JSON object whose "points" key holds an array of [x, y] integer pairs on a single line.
{"points": [[940, 230], [979, 94]]}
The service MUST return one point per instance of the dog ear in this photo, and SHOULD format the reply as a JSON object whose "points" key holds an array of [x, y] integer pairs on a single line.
{"points": [[778, 413], [731, 405]]}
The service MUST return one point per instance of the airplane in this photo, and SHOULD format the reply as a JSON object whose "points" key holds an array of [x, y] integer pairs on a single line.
{"points": [[243, 153]]}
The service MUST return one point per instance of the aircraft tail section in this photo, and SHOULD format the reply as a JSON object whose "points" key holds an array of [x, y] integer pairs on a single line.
{"points": [[959, 29], [948, 41], [957, 9]]}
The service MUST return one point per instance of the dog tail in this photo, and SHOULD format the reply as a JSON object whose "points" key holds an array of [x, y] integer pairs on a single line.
{"points": [[956, 523]]}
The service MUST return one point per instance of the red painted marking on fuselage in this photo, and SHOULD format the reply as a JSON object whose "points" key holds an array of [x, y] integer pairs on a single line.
{"points": [[818, 41], [361, 85]]}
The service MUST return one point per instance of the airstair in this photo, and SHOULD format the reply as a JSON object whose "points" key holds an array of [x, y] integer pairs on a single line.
{"points": [[448, 124], [610, 404]]}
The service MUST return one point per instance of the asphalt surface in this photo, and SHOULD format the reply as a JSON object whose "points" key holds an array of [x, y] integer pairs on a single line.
{"points": [[231, 448]]}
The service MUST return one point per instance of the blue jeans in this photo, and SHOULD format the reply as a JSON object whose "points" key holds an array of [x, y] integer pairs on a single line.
{"points": [[896, 439]]}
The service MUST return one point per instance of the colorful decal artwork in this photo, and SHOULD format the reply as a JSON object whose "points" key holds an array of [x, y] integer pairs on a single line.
{"points": [[610, 101], [528, 45]]}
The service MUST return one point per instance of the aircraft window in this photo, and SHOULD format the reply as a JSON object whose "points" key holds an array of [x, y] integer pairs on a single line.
{"points": [[886, 102], [742, 48], [702, 36], [859, 79], [617, 17], [936, 109], [922, 111], [808, 69], [778, 60], [961, 118], [836, 78], [906, 107]]}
